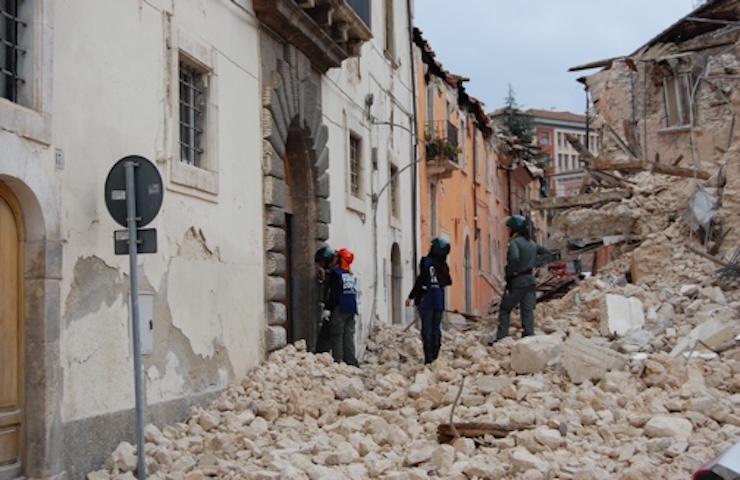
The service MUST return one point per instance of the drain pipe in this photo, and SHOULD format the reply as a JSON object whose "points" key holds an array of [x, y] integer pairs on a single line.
{"points": [[415, 136]]}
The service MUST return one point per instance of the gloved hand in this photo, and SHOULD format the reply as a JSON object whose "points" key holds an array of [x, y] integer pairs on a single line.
{"points": [[325, 315]]}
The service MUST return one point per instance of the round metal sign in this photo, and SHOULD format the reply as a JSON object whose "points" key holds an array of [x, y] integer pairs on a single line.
{"points": [[148, 191]]}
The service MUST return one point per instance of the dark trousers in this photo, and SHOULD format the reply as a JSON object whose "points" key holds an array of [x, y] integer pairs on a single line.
{"points": [[525, 298], [323, 340], [342, 333], [431, 333]]}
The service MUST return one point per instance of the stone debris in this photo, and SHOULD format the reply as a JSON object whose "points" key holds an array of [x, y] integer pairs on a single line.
{"points": [[573, 405], [634, 373]]}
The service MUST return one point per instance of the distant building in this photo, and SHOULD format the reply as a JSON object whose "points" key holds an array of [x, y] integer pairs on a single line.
{"points": [[564, 171]]}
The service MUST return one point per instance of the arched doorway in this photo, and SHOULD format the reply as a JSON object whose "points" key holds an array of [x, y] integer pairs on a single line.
{"points": [[295, 163], [397, 297], [302, 292], [12, 341]]}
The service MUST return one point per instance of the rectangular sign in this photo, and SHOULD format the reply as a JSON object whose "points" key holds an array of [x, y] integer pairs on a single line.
{"points": [[146, 241]]}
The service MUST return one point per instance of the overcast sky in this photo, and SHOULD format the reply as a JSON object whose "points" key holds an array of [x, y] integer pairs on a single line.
{"points": [[531, 44]]}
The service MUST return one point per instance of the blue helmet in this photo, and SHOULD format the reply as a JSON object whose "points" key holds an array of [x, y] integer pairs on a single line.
{"points": [[440, 246]]}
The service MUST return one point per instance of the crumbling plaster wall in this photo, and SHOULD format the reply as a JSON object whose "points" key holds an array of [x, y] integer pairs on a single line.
{"points": [[195, 349], [206, 277]]}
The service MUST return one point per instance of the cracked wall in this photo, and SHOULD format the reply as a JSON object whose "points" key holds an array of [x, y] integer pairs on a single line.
{"points": [[195, 348]]}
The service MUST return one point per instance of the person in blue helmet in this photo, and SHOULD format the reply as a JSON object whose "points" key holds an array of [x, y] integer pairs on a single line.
{"points": [[325, 259], [429, 297], [522, 256]]}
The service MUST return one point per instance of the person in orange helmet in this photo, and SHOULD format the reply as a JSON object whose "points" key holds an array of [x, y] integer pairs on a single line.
{"points": [[341, 301]]}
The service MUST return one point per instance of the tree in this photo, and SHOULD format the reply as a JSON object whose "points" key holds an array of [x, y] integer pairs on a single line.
{"points": [[515, 121]]}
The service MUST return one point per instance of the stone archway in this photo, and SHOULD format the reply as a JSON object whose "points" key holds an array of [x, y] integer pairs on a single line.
{"points": [[25, 185], [295, 163]]}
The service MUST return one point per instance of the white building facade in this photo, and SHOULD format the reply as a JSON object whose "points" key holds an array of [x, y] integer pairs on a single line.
{"points": [[564, 172], [266, 148]]}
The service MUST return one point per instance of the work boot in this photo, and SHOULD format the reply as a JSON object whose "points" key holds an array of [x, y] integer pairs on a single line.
{"points": [[428, 344], [436, 345]]}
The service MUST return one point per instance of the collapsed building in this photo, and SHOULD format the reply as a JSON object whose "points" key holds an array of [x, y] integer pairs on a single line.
{"points": [[634, 373], [669, 110]]}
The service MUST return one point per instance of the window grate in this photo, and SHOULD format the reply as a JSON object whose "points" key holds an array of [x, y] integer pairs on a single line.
{"points": [[11, 27], [193, 95]]}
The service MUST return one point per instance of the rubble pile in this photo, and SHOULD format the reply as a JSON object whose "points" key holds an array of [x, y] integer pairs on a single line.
{"points": [[634, 373], [577, 404], [656, 202]]}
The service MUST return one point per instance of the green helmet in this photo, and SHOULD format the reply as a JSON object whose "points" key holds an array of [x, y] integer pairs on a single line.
{"points": [[440, 246], [324, 253], [518, 223]]}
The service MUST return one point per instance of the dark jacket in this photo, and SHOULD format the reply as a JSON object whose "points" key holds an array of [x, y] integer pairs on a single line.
{"points": [[428, 291], [341, 291], [522, 256]]}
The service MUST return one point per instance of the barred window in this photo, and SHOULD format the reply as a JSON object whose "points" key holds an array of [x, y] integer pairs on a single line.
{"points": [[11, 30], [193, 102], [355, 166]]}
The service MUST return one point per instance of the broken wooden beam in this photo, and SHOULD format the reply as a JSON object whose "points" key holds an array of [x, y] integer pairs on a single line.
{"points": [[707, 256], [647, 166], [445, 431], [597, 164], [586, 156], [585, 200]]}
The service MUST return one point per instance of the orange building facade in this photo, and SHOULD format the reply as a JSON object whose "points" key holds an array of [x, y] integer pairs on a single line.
{"points": [[463, 193]]}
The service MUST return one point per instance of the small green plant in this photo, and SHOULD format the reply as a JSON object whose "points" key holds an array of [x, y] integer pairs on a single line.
{"points": [[440, 148]]}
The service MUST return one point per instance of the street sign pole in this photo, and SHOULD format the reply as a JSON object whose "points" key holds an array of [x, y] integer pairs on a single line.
{"points": [[137, 182], [132, 250]]}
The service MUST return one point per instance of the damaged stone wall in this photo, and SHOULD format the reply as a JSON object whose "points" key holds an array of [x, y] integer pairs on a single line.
{"points": [[676, 104]]}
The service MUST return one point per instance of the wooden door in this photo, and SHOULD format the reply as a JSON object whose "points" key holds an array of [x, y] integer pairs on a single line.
{"points": [[11, 344]]}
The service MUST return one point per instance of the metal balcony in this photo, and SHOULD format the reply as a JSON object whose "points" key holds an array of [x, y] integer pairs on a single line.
{"points": [[441, 149]]}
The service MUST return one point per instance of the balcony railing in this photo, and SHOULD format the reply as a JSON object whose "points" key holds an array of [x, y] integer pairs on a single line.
{"points": [[441, 149], [441, 141]]}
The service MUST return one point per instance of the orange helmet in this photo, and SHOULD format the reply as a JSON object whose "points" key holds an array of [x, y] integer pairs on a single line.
{"points": [[346, 257]]}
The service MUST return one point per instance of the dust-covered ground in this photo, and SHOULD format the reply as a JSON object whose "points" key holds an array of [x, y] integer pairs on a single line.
{"points": [[624, 408]]}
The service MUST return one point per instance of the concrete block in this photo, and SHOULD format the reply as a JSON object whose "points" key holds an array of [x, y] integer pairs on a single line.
{"points": [[532, 354], [584, 360], [620, 315], [711, 333]]}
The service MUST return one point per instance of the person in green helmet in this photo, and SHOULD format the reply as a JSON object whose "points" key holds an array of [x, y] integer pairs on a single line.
{"points": [[325, 259], [522, 256]]}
